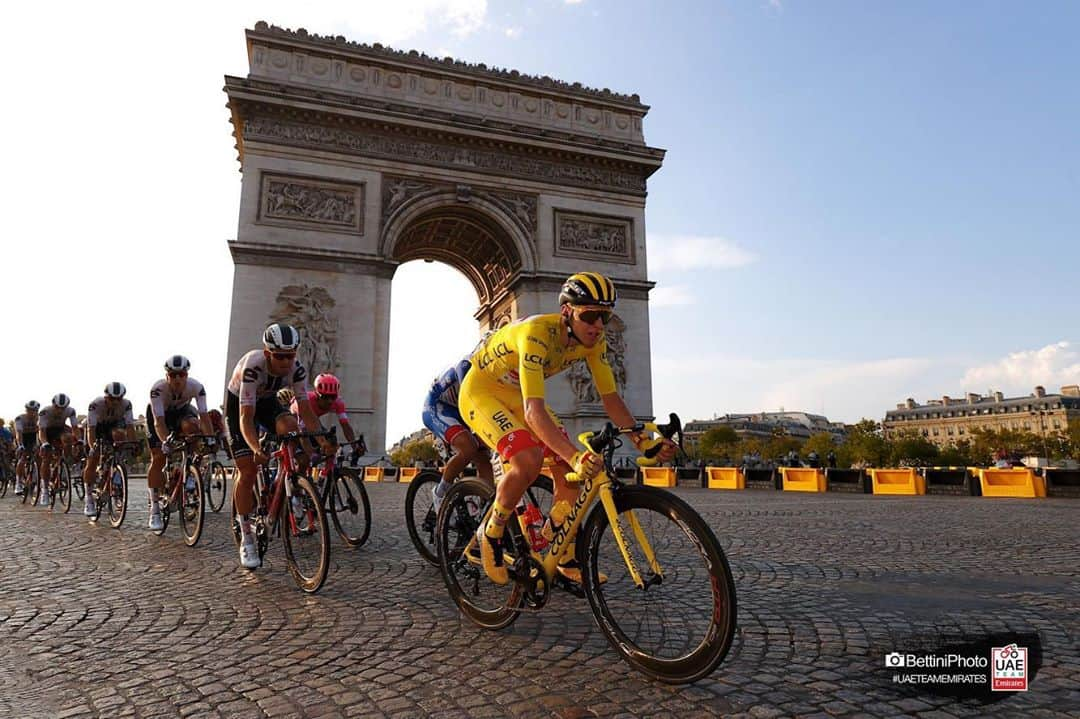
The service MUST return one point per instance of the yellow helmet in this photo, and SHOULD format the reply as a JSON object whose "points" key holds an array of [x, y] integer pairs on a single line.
{"points": [[588, 288]]}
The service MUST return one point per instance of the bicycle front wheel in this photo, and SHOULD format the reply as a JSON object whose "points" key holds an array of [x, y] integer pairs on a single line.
{"points": [[62, 493], [118, 495], [192, 508], [486, 603], [349, 507], [217, 486], [420, 514], [306, 534], [680, 625]]}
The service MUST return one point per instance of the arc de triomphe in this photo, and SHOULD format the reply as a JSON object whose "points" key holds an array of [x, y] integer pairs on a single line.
{"points": [[357, 158]]}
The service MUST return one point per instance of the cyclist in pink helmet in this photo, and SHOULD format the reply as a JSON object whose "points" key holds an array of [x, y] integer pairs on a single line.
{"points": [[325, 399]]}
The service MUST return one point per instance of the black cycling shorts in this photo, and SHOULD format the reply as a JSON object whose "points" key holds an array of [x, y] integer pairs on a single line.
{"points": [[173, 418], [267, 411]]}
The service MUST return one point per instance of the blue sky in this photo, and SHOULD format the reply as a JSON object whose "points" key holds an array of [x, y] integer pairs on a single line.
{"points": [[861, 202]]}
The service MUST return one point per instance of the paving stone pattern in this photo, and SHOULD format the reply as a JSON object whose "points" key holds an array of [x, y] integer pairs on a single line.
{"points": [[121, 623]]}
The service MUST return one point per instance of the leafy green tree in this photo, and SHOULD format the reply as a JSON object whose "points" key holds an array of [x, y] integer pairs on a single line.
{"points": [[822, 443], [913, 450], [718, 442], [422, 450], [865, 446]]}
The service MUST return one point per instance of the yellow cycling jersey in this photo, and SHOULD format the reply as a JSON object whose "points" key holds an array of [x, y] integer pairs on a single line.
{"points": [[524, 353]]}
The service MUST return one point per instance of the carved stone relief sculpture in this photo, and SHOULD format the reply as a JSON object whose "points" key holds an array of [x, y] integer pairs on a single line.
{"points": [[595, 237], [312, 311], [300, 202], [581, 378]]}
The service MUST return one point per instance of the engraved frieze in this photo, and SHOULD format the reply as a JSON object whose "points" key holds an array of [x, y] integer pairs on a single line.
{"points": [[449, 155], [593, 236], [302, 202]]}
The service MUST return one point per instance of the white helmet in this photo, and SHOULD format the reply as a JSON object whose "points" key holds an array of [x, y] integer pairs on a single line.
{"points": [[279, 336], [32, 406], [61, 400], [177, 363], [115, 389]]}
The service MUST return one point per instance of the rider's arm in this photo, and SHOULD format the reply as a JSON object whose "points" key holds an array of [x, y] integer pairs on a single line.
{"points": [[129, 420], [160, 429], [205, 426], [247, 426], [617, 410], [540, 422], [308, 416], [347, 430]]}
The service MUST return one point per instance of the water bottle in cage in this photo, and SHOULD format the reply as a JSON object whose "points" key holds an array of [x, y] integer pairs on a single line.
{"points": [[534, 524]]}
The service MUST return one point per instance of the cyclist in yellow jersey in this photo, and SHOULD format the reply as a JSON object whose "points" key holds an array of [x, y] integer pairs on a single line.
{"points": [[502, 400]]}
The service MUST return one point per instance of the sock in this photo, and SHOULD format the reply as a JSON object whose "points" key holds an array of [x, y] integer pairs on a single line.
{"points": [[497, 524], [442, 488]]}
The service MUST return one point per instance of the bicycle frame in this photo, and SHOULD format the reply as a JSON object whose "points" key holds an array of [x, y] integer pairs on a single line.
{"points": [[600, 486]]}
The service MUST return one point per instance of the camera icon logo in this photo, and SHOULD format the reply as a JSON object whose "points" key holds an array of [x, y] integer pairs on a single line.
{"points": [[894, 659]]}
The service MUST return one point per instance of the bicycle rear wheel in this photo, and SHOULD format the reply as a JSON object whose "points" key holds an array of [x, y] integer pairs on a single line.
{"points": [[486, 603], [307, 536], [680, 626], [350, 507], [118, 495], [192, 507], [420, 514], [217, 486]]}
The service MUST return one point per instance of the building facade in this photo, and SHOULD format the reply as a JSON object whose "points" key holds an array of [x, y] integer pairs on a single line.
{"points": [[763, 425], [947, 421]]}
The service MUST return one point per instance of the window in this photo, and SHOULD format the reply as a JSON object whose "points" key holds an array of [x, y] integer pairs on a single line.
{"points": [[961, 431], [935, 431], [1057, 425], [926, 433], [950, 431]]}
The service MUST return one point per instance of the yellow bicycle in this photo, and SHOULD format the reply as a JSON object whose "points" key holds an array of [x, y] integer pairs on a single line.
{"points": [[656, 578]]}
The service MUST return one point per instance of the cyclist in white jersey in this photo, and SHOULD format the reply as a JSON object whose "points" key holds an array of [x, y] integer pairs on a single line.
{"points": [[170, 410], [57, 425], [251, 398], [108, 419], [26, 436]]}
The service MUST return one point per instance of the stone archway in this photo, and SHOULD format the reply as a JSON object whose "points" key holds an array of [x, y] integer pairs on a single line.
{"points": [[356, 158]]}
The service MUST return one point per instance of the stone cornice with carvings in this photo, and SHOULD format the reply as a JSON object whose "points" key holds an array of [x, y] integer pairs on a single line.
{"points": [[276, 255], [340, 45], [440, 119], [311, 129]]}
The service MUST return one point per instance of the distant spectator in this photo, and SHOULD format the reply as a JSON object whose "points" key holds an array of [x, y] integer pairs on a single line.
{"points": [[830, 458], [812, 460]]}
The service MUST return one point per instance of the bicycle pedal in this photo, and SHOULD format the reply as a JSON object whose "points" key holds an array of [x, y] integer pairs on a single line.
{"points": [[566, 585]]}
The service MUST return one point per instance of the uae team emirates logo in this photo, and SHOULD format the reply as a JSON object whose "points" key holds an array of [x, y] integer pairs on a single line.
{"points": [[1009, 669]]}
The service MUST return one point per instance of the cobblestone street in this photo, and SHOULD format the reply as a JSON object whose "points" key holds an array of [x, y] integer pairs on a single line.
{"points": [[100, 622]]}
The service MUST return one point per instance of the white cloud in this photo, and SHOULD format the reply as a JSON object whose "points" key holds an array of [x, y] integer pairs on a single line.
{"points": [[693, 252], [843, 390], [513, 32], [670, 296], [1019, 372], [573, 2], [776, 5]]}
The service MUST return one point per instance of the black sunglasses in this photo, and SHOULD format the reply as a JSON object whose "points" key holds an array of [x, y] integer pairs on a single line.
{"points": [[590, 316], [281, 356], [174, 375]]}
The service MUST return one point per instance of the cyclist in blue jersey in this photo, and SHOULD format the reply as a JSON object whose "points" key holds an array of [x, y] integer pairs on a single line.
{"points": [[442, 417]]}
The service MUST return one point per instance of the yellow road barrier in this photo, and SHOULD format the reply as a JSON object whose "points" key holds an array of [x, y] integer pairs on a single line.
{"points": [[897, 481], [658, 476], [406, 474], [725, 478], [803, 479], [374, 474], [1014, 482]]}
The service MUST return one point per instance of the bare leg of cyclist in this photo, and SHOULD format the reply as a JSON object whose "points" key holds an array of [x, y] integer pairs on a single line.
{"points": [[155, 480], [465, 449], [89, 472], [524, 466]]}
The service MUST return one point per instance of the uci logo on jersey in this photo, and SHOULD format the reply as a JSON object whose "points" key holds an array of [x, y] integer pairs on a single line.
{"points": [[500, 350]]}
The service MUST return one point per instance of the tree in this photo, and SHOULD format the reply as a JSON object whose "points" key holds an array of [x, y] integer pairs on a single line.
{"points": [[822, 443], [913, 450], [865, 446], [422, 450], [718, 441]]}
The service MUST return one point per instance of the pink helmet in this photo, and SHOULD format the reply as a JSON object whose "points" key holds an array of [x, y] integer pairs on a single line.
{"points": [[327, 384]]}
